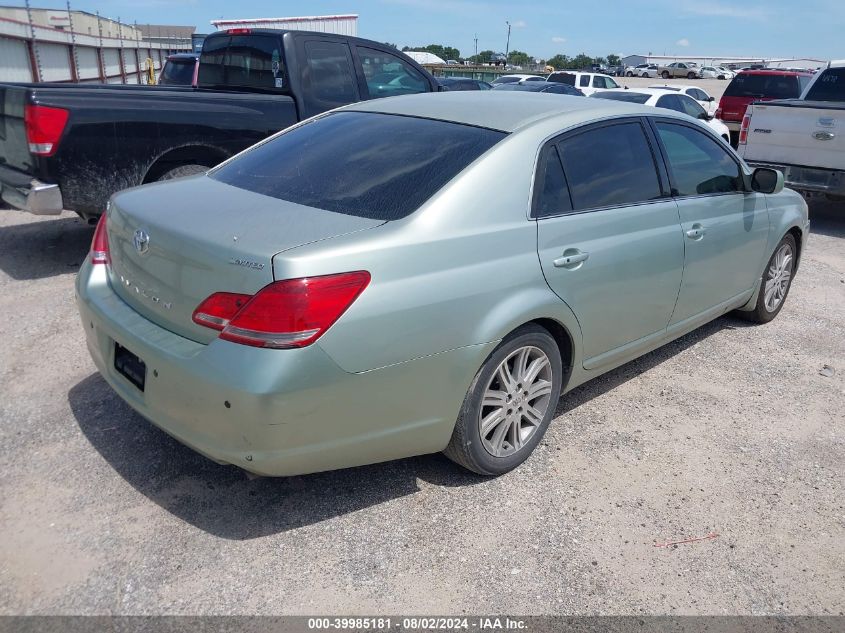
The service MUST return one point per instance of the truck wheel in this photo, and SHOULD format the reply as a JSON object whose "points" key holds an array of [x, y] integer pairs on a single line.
{"points": [[690, 75], [183, 170], [665, 74], [629, 74]]}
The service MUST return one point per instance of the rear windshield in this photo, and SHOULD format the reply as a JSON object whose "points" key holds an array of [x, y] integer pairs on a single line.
{"points": [[628, 97], [829, 87], [369, 165], [563, 78], [178, 71], [772, 86], [244, 61]]}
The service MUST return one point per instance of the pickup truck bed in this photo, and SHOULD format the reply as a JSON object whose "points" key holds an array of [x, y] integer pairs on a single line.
{"points": [[804, 138], [73, 146]]}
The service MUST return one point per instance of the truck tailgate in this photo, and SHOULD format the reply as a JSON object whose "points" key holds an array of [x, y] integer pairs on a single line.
{"points": [[14, 151], [811, 135]]}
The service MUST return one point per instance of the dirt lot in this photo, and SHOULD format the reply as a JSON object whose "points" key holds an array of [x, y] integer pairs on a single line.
{"points": [[731, 429]]}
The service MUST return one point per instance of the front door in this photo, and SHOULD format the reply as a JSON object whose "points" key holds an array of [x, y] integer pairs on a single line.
{"points": [[609, 240], [725, 227]]}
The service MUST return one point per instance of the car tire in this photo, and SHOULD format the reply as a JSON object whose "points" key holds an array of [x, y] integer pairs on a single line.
{"points": [[183, 170], [690, 75], [776, 282], [629, 74], [502, 418], [665, 74]]}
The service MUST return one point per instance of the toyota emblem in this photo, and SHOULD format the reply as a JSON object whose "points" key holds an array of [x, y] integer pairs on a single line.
{"points": [[141, 241]]}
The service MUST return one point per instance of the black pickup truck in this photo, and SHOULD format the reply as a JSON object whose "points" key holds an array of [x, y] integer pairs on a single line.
{"points": [[66, 146]]}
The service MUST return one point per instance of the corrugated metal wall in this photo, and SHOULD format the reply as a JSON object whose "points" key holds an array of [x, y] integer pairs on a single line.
{"points": [[15, 64], [87, 63], [111, 62], [53, 60]]}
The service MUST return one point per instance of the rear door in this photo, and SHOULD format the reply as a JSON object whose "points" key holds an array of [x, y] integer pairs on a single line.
{"points": [[725, 228], [384, 74], [327, 74], [609, 238]]}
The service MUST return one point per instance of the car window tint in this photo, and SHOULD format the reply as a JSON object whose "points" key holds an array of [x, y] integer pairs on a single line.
{"points": [[609, 83], [483, 85], [691, 106], [598, 82], [670, 102], [754, 85], [698, 163], [585, 80], [830, 86], [365, 164], [328, 74], [388, 75], [552, 196], [253, 61], [178, 71], [610, 165]]}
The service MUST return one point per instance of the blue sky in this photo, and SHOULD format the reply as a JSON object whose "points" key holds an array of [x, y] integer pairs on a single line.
{"points": [[768, 28]]}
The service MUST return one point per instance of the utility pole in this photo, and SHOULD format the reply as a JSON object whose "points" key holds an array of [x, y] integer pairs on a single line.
{"points": [[508, 44], [476, 45]]}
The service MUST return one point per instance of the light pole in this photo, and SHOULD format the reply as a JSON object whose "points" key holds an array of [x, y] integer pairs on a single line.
{"points": [[508, 44]]}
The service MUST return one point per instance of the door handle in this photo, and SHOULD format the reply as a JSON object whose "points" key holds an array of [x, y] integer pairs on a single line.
{"points": [[572, 258], [696, 232]]}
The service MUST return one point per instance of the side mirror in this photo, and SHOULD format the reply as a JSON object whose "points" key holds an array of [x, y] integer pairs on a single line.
{"points": [[711, 98], [765, 180]]}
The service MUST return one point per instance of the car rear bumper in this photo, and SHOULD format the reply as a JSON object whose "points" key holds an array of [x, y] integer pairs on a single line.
{"points": [[26, 193], [829, 181], [274, 412]]}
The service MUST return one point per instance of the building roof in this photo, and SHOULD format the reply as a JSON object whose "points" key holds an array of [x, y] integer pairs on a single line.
{"points": [[424, 57], [166, 30]]}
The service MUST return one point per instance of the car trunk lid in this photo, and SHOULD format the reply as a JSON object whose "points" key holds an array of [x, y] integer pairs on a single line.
{"points": [[174, 244]]}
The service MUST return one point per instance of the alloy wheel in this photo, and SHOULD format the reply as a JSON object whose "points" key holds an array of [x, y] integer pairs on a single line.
{"points": [[777, 277], [516, 401]]}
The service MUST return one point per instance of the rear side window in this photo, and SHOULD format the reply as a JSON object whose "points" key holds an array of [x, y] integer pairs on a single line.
{"points": [[370, 165], [329, 77], [552, 197], [563, 78], [244, 61], [830, 86], [699, 165], [388, 75], [585, 80], [758, 86], [609, 166], [178, 72], [670, 102], [691, 106]]}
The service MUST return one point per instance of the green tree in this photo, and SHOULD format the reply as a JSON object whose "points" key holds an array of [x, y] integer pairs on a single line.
{"points": [[613, 60], [581, 61], [518, 58], [482, 58], [559, 62], [391, 45]]}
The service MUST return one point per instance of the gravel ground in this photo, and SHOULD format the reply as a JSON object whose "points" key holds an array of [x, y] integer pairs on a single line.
{"points": [[731, 429]]}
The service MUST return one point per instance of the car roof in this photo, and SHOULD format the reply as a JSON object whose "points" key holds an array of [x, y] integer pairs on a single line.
{"points": [[653, 91], [676, 87], [774, 71], [521, 76], [502, 110]]}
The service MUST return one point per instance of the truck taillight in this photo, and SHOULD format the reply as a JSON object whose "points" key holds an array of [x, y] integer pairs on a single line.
{"points": [[44, 126], [718, 113], [284, 314], [239, 31], [100, 243], [743, 129]]}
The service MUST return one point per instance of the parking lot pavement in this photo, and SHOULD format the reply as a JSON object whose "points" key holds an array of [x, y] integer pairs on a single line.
{"points": [[731, 429]]}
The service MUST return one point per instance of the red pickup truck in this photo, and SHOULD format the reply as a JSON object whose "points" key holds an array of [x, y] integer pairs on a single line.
{"points": [[757, 85]]}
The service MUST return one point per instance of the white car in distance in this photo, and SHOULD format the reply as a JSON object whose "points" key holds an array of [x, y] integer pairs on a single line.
{"points": [[671, 100], [587, 83], [705, 100]]}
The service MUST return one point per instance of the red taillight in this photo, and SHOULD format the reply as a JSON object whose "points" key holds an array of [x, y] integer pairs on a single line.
{"points": [[240, 31], [718, 113], [44, 127], [285, 314], [743, 129], [100, 243], [220, 308]]}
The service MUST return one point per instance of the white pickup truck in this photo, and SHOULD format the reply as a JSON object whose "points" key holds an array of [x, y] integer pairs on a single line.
{"points": [[804, 138]]}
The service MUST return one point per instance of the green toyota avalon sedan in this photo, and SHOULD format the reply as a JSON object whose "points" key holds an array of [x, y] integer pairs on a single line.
{"points": [[425, 273]]}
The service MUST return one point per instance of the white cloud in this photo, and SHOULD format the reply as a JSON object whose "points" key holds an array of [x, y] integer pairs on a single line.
{"points": [[682, 42], [558, 40], [519, 24]]}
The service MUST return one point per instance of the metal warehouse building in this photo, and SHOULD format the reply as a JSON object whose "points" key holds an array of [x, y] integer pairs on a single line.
{"points": [[340, 24]]}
